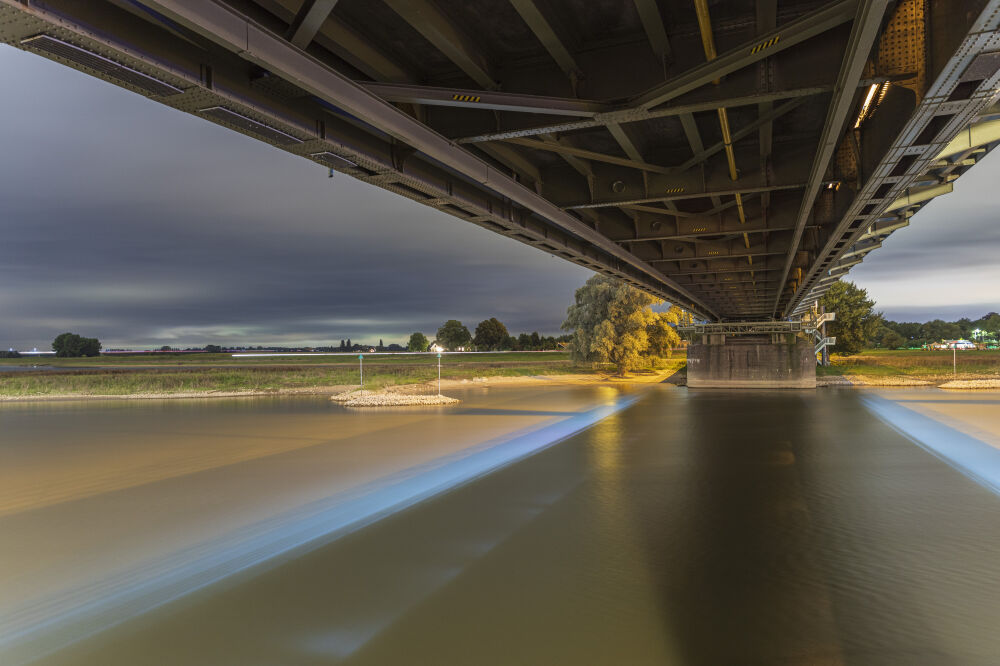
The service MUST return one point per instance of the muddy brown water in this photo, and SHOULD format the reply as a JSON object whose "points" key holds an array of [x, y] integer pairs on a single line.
{"points": [[673, 527]]}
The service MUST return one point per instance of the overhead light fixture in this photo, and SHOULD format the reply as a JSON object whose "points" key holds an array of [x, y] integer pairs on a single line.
{"points": [[868, 102], [98, 63]]}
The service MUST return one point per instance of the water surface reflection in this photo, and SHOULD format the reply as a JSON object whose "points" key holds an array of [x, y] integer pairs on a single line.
{"points": [[690, 528]]}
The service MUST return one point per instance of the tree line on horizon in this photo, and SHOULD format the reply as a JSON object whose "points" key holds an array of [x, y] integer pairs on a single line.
{"points": [[858, 326], [490, 335], [896, 334]]}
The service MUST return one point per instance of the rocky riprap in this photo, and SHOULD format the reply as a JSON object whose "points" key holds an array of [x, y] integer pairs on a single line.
{"points": [[972, 384], [358, 398]]}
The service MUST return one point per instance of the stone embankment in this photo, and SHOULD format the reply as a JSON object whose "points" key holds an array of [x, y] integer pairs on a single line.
{"points": [[899, 380], [972, 384], [887, 380], [833, 380], [358, 398]]}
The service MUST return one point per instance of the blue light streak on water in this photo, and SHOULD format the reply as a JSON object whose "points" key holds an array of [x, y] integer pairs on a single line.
{"points": [[972, 457], [54, 623]]}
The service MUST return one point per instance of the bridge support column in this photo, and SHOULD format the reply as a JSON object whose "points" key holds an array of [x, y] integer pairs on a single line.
{"points": [[783, 361]]}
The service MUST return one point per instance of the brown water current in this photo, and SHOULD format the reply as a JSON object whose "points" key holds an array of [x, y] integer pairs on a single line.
{"points": [[576, 525]]}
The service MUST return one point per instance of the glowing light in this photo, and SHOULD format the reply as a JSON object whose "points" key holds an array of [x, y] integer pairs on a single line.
{"points": [[864, 107]]}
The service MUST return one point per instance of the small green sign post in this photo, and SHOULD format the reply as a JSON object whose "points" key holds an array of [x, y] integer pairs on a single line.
{"points": [[361, 368], [439, 373]]}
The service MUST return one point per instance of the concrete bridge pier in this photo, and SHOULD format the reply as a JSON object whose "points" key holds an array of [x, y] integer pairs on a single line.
{"points": [[752, 356]]}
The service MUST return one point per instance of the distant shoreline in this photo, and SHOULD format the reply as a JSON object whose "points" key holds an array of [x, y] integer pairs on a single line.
{"points": [[416, 388]]}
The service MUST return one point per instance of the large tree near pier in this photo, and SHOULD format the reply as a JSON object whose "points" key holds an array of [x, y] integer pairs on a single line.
{"points": [[613, 322]]}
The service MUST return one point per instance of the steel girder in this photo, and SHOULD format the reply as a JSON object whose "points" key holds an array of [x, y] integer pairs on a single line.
{"points": [[864, 32], [965, 88], [611, 187]]}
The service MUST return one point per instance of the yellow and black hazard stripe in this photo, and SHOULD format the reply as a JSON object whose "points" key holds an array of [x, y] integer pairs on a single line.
{"points": [[765, 45], [466, 98], [674, 190]]}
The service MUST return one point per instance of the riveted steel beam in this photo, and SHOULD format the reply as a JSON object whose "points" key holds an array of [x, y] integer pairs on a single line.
{"points": [[346, 43], [548, 37], [652, 23], [923, 137], [864, 32], [564, 149], [308, 21], [440, 31], [629, 115], [479, 99], [235, 32], [745, 131], [788, 35], [679, 196]]}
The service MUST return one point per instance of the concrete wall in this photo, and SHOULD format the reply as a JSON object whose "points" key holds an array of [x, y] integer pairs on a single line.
{"points": [[751, 365]]}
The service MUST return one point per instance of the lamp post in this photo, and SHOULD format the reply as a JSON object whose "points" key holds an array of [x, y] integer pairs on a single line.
{"points": [[439, 373], [361, 369]]}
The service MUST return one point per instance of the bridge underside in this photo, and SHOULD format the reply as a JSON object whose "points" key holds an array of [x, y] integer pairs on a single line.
{"points": [[735, 160]]}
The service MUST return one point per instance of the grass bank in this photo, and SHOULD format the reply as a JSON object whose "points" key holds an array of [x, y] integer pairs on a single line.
{"points": [[200, 360], [933, 367], [206, 374]]}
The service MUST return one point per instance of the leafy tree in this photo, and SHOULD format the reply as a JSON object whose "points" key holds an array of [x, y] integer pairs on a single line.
{"points": [[612, 321], [380, 345], [418, 343], [453, 335], [989, 322], [965, 325], [908, 330], [71, 344], [13, 353], [663, 337], [536, 341], [213, 349], [887, 338], [491, 335], [524, 342], [938, 329], [349, 346], [856, 324]]}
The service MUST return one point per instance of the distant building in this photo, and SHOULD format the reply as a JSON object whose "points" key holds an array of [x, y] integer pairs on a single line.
{"points": [[435, 347], [954, 344]]}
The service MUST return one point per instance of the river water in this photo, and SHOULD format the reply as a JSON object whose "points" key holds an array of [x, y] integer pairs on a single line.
{"points": [[573, 525]]}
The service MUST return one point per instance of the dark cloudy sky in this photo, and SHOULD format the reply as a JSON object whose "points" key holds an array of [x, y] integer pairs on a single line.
{"points": [[946, 264], [128, 221]]}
